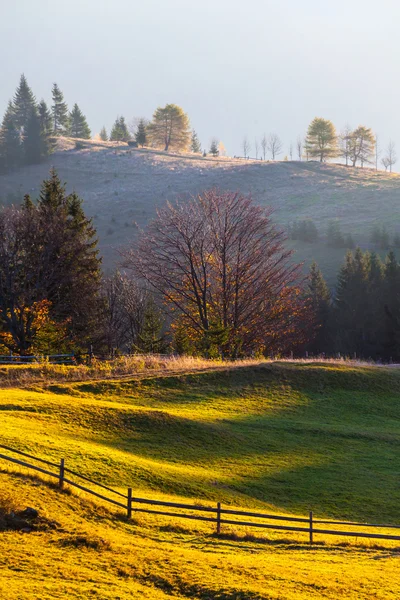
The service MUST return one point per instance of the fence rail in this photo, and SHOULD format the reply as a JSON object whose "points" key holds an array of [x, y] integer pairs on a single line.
{"points": [[136, 504], [12, 359]]}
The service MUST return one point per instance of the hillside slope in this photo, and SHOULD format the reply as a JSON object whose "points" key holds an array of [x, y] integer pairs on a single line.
{"points": [[286, 437], [123, 186]]}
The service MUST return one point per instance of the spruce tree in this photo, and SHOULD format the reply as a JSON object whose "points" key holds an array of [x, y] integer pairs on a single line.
{"points": [[11, 148], [46, 129], [119, 132], [195, 145], [23, 103], [77, 126], [141, 133], [214, 147], [320, 299], [103, 134], [59, 111], [33, 139], [391, 294]]}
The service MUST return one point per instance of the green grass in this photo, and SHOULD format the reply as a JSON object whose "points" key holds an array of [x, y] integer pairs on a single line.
{"points": [[283, 437]]}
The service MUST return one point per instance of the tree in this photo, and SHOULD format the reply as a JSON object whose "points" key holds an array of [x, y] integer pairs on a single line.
{"points": [[11, 148], [320, 299], [23, 103], [334, 236], [256, 147], [219, 263], [46, 130], [377, 151], [170, 128], [344, 144], [119, 131], [245, 147], [49, 264], [299, 147], [195, 145], [214, 147], [141, 132], [103, 134], [33, 139], [321, 140], [264, 145], [274, 145], [77, 124], [59, 111], [390, 157], [361, 145]]}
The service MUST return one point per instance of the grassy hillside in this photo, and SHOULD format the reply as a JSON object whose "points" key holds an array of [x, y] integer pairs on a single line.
{"points": [[287, 437], [122, 187]]}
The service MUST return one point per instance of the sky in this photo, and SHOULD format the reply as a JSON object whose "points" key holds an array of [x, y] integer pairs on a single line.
{"points": [[238, 68]]}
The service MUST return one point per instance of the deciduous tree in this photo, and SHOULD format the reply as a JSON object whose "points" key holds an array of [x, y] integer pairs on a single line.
{"points": [[321, 140], [170, 128]]}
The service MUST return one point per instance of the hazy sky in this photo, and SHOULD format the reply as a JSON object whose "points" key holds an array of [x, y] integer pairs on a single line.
{"points": [[236, 67]]}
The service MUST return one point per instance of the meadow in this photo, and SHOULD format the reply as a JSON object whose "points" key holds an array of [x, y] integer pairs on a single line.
{"points": [[283, 437]]}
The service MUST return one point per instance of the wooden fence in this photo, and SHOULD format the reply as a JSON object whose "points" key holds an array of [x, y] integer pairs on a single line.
{"points": [[54, 359], [221, 516]]}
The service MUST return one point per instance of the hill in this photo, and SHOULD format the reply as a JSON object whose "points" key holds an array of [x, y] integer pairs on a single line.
{"points": [[287, 437], [122, 188]]}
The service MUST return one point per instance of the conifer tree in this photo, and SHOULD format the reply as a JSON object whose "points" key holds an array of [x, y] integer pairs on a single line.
{"points": [[11, 149], [141, 133], [46, 129], [59, 111], [391, 336], [170, 128], [321, 141], [319, 295], [214, 147], [77, 124], [103, 134], [119, 132], [23, 103], [195, 143], [33, 139]]}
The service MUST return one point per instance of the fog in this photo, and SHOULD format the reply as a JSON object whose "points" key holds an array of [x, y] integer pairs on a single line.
{"points": [[237, 68]]}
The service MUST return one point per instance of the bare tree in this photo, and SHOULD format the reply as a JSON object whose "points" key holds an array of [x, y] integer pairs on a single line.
{"points": [[219, 262], [291, 151], [245, 147], [390, 157], [264, 145], [299, 147], [274, 145], [256, 147]]}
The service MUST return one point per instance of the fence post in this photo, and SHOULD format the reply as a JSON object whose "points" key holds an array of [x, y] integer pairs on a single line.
{"points": [[129, 507], [311, 527], [61, 478], [218, 518]]}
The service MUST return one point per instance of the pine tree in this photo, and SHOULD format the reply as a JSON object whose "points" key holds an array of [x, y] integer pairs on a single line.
{"points": [[141, 133], [33, 139], [214, 147], [46, 129], [391, 294], [320, 298], [195, 143], [119, 132], [59, 111], [103, 134], [11, 148], [77, 126], [23, 103]]}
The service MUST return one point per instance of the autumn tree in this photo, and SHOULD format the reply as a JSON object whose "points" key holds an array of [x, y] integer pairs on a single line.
{"points": [[361, 145], [321, 140], [220, 265], [170, 128]]}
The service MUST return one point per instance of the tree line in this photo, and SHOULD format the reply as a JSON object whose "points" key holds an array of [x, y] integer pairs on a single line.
{"points": [[29, 127], [209, 276]]}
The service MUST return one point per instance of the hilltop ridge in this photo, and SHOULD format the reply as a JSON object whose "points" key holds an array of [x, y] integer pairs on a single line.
{"points": [[122, 187]]}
